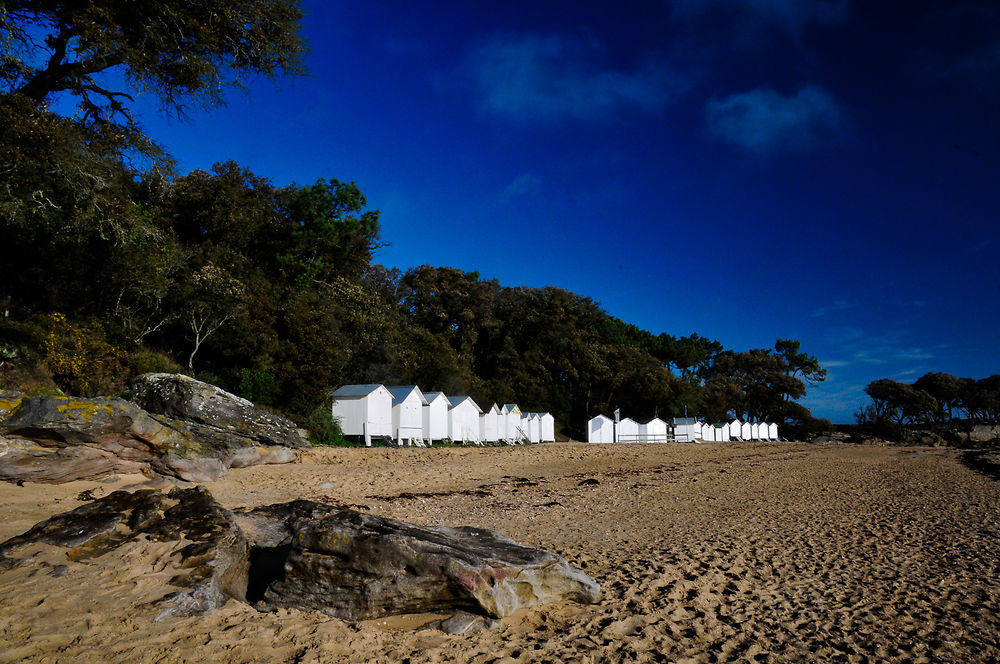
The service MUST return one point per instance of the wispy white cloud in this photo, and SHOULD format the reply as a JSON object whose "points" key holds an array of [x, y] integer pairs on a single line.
{"points": [[841, 401], [765, 121], [983, 245], [831, 364], [877, 352], [789, 16], [844, 334], [525, 184], [913, 354], [839, 305], [550, 78], [869, 356], [977, 68]]}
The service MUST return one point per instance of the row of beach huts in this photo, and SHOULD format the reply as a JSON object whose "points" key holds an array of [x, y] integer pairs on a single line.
{"points": [[408, 416], [603, 429]]}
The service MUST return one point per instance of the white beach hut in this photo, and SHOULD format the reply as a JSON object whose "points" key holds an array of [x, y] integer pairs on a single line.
{"points": [[653, 431], [772, 431], [735, 430], [601, 429], [686, 429], [708, 433], [532, 425], [363, 410], [511, 416], [745, 431], [700, 431], [434, 416], [548, 427], [463, 420], [755, 431], [407, 413], [489, 425], [628, 431], [722, 432]]}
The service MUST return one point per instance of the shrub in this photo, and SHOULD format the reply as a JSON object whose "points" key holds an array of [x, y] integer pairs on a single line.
{"points": [[257, 386], [80, 358], [324, 429], [151, 361]]}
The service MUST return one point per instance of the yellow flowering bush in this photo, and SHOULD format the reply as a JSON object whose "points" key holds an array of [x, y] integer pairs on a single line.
{"points": [[80, 358]]}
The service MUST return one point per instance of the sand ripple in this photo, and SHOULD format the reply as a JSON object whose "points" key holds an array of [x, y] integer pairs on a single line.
{"points": [[713, 553]]}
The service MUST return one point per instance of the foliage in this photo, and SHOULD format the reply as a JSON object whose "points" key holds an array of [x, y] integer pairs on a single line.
{"points": [[325, 428], [257, 386], [944, 388], [934, 397], [145, 360], [80, 358], [181, 51], [332, 234], [20, 361], [761, 384]]}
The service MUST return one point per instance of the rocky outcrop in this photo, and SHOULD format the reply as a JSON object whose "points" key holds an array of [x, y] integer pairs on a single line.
{"points": [[9, 401], [307, 555], [211, 410], [356, 566], [957, 433], [26, 460], [210, 557], [984, 433], [80, 438], [831, 438]]}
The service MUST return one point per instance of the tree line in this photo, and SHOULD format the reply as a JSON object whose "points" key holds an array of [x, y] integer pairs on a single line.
{"points": [[934, 397], [116, 264]]}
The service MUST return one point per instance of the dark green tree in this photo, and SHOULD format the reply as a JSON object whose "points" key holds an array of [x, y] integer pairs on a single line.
{"points": [[182, 51], [981, 398], [798, 364], [945, 390], [897, 403], [329, 233], [761, 384]]}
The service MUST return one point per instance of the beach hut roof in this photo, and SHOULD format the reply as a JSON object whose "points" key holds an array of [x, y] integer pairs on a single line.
{"points": [[652, 419], [455, 401], [685, 420], [401, 392], [600, 416], [349, 391]]}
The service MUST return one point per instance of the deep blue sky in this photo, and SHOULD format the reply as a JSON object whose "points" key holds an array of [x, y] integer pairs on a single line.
{"points": [[745, 169]]}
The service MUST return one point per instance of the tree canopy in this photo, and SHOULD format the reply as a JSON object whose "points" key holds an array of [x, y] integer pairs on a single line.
{"points": [[181, 51], [934, 397]]}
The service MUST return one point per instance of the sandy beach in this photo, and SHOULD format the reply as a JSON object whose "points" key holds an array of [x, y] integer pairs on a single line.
{"points": [[705, 553]]}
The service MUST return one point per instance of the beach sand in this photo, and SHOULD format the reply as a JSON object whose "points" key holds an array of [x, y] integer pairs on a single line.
{"points": [[705, 553]]}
